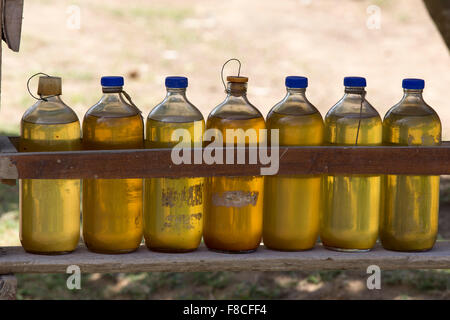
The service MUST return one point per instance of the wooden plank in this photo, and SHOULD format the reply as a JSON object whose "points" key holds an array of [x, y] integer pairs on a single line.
{"points": [[292, 160], [14, 259], [8, 287], [12, 23]]}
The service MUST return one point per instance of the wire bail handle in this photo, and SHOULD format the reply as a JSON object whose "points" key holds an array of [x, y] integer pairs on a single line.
{"points": [[223, 67], [28, 87], [363, 97], [127, 96]]}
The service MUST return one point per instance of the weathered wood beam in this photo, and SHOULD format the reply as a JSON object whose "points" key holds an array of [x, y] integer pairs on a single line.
{"points": [[12, 16], [158, 163], [439, 11], [14, 259]]}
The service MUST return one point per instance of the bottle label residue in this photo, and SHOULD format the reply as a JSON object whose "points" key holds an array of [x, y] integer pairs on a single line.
{"points": [[237, 199]]}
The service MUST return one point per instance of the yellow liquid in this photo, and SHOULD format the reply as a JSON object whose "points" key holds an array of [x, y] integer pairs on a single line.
{"points": [[350, 218], [173, 208], [233, 219], [411, 205], [49, 208], [292, 203], [112, 208]]}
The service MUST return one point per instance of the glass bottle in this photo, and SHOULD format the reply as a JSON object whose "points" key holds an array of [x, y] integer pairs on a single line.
{"points": [[112, 208], [173, 207], [411, 206], [350, 219], [292, 203], [49, 208], [233, 218]]}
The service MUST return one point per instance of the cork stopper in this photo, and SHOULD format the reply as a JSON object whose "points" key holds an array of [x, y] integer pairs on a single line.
{"points": [[49, 86], [235, 79]]}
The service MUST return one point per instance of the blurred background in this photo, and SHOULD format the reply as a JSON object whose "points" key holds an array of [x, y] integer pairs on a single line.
{"points": [[145, 41]]}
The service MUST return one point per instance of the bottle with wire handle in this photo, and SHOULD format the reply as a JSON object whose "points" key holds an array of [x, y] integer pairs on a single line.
{"points": [[292, 203], [409, 221], [234, 214], [350, 219], [173, 207], [112, 208], [49, 208]]}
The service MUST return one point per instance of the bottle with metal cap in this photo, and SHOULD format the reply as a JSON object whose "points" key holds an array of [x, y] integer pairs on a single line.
{"points": [[350, 219], [292, 203], [409, 221], [233, 220], [112, 208], [49, 208], [173, 207]]}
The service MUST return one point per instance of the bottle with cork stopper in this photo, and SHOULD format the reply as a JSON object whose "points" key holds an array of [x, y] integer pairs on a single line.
{"points": [[233, 218], [49, 208]]}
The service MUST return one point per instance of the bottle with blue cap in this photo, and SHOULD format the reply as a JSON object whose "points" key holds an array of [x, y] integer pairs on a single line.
{"points": [[350, 218], [234, 214], [112, 208], [292, 203], [49, 208], [173, 207], [409, 221]]}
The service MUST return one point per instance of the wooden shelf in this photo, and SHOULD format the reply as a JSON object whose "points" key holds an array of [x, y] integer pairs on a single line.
{"points": [[146, 163], [16, 260]]}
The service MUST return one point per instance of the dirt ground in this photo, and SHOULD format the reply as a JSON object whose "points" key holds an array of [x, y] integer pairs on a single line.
{"points": [[145, 41]]}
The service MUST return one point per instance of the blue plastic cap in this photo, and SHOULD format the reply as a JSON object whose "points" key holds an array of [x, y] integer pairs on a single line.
{"points": [[176, 82], [296, 82], [355, 82], [417, 84], [112, 81]]}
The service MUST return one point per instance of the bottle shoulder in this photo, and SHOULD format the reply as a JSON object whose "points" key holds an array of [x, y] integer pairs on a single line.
{"points": [[112, 107], [175, 110], [293, 106], [53, 111], [235, 108], [404, 110], [352, 108]]}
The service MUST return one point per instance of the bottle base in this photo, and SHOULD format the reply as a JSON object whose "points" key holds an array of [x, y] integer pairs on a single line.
{"points": [[232, 251], [49, 253], [408, 250], [112, 251], [165, 250], [287, 250], [345, 249]]}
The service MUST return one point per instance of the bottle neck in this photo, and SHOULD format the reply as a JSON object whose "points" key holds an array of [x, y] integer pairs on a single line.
{"points": [[236, 89], [412, 96], [176, 93], [355, 91], [51, 98], [296, 92], [111, 94]]}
